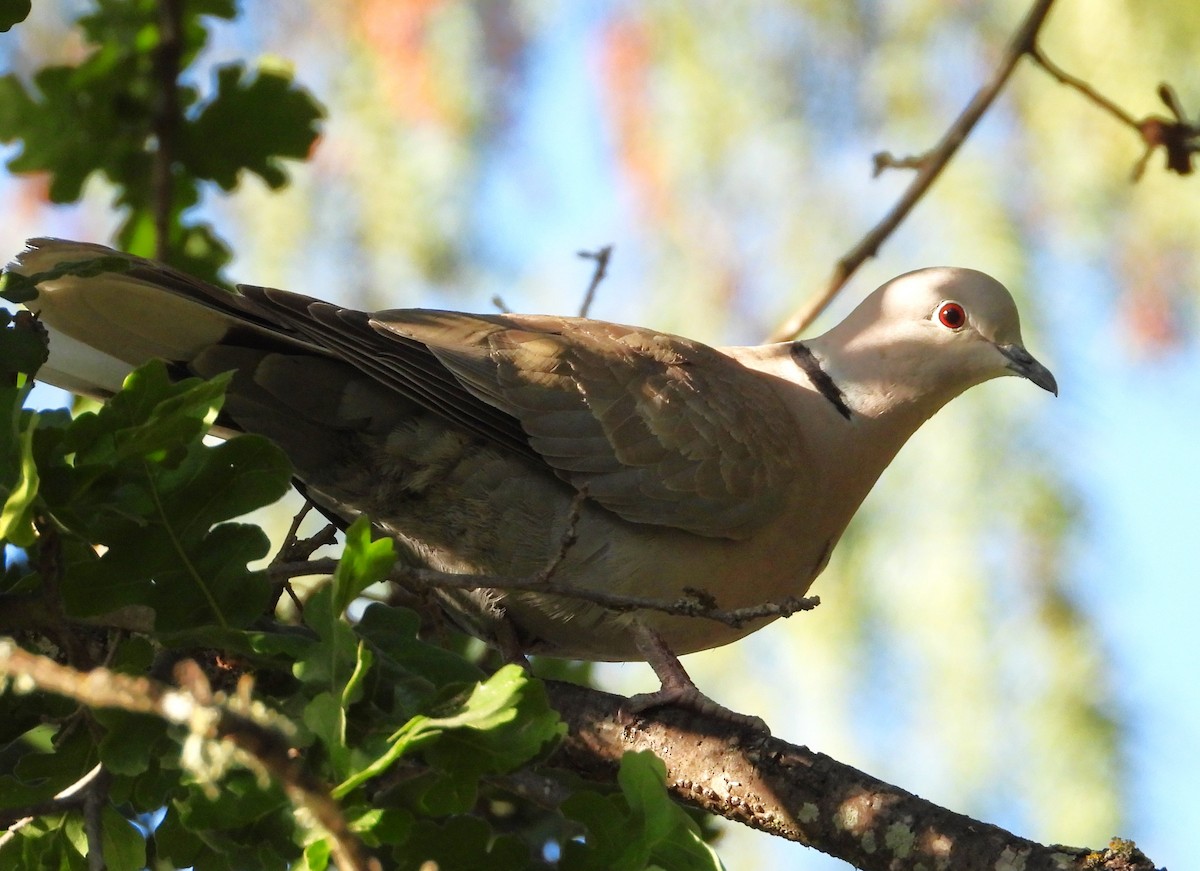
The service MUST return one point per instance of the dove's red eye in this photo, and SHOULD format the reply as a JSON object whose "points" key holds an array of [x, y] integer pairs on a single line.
{"points": [[952, 315]]}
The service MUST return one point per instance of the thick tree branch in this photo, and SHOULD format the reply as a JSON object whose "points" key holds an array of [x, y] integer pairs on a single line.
{"points": [[743, 775], [931, 167], [794, 793]]}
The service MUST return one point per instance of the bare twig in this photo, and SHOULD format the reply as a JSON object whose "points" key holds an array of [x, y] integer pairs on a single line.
{"points": [[601, 256], [1178, 137], [696, 603], [569, 536], [931, 167], [295, 549], [1038, 56], [167, 60], [288, 548], [884, 160], [232, 721]]}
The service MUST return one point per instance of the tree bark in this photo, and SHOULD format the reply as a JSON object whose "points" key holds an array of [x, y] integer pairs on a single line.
{"points": [[795, 793]]}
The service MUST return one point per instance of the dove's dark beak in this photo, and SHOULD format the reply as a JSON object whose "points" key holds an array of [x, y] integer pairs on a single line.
{"points": [[1022, 363]]}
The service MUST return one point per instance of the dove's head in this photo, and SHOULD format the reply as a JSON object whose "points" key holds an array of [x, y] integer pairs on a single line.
{"points": [[925, 337]]}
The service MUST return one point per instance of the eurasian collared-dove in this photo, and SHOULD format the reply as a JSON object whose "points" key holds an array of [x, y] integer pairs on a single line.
{"points": [[468, 437]]}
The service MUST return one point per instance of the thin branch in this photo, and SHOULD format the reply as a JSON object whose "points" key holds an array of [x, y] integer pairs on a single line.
{"points": [[885, 160], [295, 548], [292, 538], [1039, 57], [795, 793], [229, 721], [697, 603], [1178, 136], [167, 60], [1021, 43], [601, 256], [569, 536]]}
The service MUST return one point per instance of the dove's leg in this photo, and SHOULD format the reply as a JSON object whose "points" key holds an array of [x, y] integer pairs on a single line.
{"points": [[678, 689]]}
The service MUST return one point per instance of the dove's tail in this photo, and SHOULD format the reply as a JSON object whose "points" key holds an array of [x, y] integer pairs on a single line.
{"points": [[108, 313]]}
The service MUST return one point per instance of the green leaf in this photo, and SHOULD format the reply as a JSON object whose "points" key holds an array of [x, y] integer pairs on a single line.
{"points": [[466, 843], [15, 287], [144, 484], [215, 145], [23, 345], [151, 415], [323, 716], [248, 825], [224, 481], [363, 562], [242, 800], [415, 671], [123, 845], [12, 427], [291, 645], [641, 828], [40, 844], [177, 843], [326, 714], [329, 664], [68, 127], [317, 856], [380, 825], [131, 741], [40, 773], [13, 12], [16, 517], [504, 722]]}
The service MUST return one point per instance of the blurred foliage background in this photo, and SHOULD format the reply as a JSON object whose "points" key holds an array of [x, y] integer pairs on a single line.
{"points": [[1004, 627]]}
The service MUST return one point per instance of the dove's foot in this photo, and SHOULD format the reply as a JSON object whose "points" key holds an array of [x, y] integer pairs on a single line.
{"points": [[678, 689], [691, 699]]}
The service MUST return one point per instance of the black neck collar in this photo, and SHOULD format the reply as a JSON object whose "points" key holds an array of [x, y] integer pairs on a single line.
{"points": [[820, 379]]}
